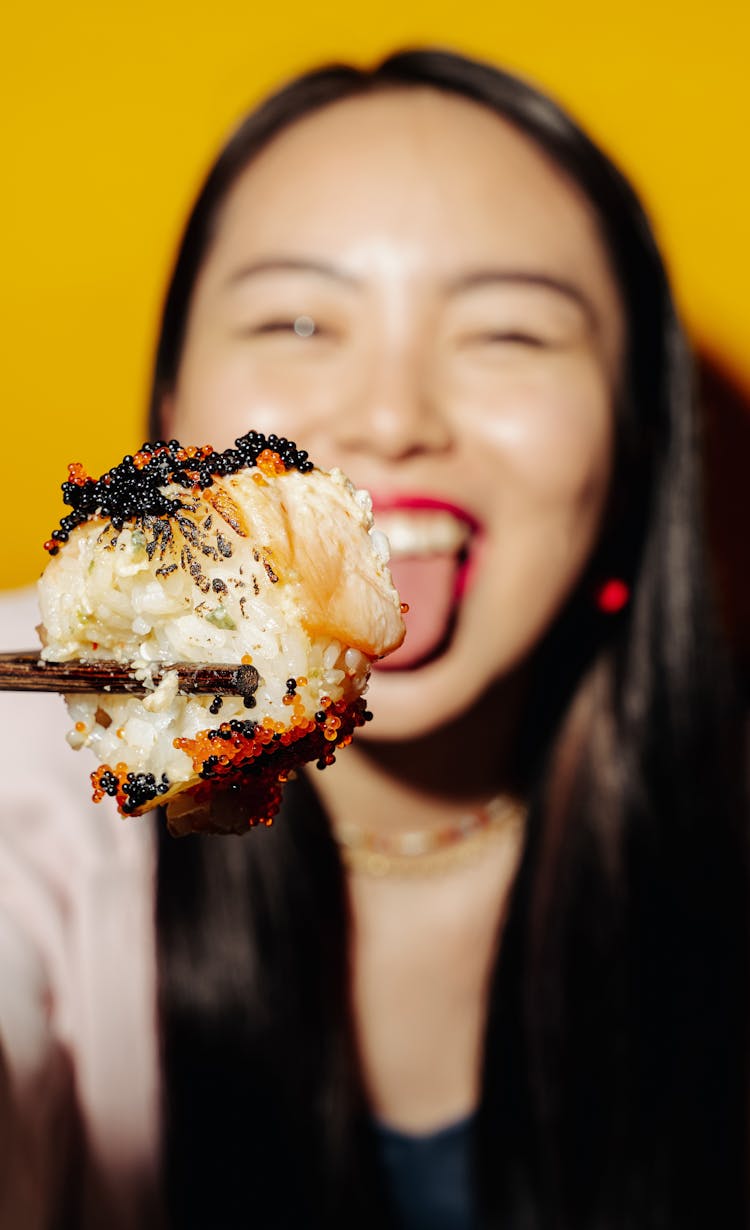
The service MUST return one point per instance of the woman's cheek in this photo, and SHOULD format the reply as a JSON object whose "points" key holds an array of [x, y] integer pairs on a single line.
{"points": [[222, 398], [552, 432]]}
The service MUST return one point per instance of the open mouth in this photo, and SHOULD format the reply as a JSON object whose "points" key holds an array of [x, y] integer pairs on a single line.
{"points": [[431, 544]]}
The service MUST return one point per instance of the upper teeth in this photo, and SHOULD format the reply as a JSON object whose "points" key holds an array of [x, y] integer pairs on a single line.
{"points": [[423, 531]]}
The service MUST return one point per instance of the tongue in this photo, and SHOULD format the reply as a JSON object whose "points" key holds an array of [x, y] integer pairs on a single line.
{"points": [[428, 585]]}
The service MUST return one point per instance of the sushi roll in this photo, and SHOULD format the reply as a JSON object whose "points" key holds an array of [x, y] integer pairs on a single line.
{"points": [[251, 556]]}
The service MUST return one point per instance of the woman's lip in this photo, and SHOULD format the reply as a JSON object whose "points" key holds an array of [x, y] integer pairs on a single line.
{"points": [[389, 503]]}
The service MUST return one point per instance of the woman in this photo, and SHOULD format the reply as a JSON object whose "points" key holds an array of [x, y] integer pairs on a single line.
{"points": [[427, 275]]}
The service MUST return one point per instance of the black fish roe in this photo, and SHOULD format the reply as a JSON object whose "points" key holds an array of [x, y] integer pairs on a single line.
{"points": [[225, 733], [133, 489], [141, 788], [233, 727], [108, 783]]}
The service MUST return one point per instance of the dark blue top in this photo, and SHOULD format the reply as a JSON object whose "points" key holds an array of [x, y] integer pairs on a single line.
{"points": [[428, 1177]]}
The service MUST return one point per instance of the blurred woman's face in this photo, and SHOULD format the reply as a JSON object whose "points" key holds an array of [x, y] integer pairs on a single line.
{"points": [[406, 287]]}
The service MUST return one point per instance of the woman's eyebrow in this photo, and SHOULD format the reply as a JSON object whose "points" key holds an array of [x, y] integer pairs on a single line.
{"points": [[291, 264], [524, 277]]}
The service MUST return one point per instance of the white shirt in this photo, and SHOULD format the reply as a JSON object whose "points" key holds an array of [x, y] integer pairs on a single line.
{"points": [[79, 1087]]}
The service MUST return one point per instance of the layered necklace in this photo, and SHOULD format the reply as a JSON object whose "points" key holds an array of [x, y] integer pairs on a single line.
{"points": [[428, 851]]}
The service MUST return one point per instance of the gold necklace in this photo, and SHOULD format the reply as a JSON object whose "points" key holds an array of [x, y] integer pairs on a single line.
{"points": [[427, 851]]}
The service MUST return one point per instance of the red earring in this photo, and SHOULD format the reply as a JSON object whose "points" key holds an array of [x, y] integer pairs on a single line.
{"points": [[612, 595]]}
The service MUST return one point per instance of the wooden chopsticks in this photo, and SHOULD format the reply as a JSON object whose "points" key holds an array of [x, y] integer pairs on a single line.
{"points": [[25, 671]]}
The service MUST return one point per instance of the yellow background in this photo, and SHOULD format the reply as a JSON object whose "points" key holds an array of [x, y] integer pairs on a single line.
{"points": [[111, 114]]}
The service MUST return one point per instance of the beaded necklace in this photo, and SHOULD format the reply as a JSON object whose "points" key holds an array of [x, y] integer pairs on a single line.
{"points": [[428, 851]]}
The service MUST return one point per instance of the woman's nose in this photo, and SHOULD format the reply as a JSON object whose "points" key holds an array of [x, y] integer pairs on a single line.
{"points": [[395, 411]]}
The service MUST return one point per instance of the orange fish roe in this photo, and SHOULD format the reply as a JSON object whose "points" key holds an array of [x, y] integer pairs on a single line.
{"points": [[109, 781], [270, 463], [77, 474], [190, 453], [240, 750], [256, 761]]}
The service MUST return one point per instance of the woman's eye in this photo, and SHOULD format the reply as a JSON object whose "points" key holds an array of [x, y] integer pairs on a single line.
{"points": [[511, 337], [301, 326]]}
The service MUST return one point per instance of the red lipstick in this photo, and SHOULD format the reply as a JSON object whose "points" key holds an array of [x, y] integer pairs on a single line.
{"points": [[385, 503]]}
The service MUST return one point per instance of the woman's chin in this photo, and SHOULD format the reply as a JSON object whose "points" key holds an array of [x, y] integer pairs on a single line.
{"points": [[412, 698]]}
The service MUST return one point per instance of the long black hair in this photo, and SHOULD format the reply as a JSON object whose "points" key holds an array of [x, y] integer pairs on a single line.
{"points": [[614, 1086]]}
